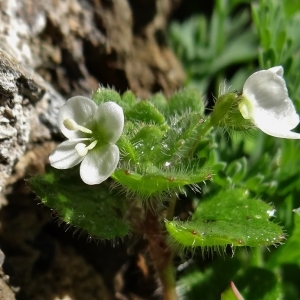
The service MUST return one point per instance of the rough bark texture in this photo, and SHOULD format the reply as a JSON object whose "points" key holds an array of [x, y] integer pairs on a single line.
{"points": [[76, 44], [49, 51]]}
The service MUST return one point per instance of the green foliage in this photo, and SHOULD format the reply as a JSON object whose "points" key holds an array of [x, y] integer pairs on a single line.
{"points": [[106, 94], [94, 209], [184, 100], [208, 283], [229, 217], [158, 146], [287, 254], [253, 283], [259, 283], [207, 47], [144, 111]]}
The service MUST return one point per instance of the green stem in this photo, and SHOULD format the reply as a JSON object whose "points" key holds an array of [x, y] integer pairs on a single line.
{"points": [[169, 283], [161, 254], [171, 208], [208, 125], [257, 257]]}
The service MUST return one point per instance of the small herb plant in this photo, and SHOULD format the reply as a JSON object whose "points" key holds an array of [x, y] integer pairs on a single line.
{"points": [[138, 157]]}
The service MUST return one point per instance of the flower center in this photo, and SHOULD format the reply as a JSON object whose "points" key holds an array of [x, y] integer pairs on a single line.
{"points": [[82, 149], [72, 125]]}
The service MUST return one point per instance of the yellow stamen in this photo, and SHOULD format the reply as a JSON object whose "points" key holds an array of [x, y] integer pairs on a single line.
{"points": [[72, 125], [82, 149], [92, 145]]}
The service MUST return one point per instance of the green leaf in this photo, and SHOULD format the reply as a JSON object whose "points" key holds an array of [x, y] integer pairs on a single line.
{"points": [[159, 101], [128, 101], [180, 139], [127, 149], [210, 282], [186, 100], [222, 179], [155, 181], [106, 94], [209, 47], [237, 169], [229, 217], [254, 181], [145, 111], [146, 140], [281, 40], [259, 283], [92, 208]]}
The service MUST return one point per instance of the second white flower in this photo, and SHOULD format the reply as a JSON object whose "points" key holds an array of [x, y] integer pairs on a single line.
{"points": [[266, 103]]}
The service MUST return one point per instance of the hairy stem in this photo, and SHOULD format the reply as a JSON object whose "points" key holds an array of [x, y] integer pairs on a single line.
{"points": [[208, 125], [161, 253]]}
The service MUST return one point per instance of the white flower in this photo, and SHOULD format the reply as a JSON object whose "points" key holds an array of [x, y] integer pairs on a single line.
{"points": [[266, 103], [92, 132]]}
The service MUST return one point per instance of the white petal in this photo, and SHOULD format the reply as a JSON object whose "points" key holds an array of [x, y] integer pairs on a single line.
{"points": [[110, 118], [99, 164], [65, 155], [267, 123], [277, 132], [81, 110], [267, 101], [277, 70]]}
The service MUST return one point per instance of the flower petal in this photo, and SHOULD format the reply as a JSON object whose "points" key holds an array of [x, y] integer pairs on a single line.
{"points": [[81, 110], [268, 125], [277, 132], [99, 164], [110, 118], [277, 70], [65, 156], [266, 101]]}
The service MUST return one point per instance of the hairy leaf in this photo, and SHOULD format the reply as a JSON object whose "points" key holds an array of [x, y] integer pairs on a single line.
{"points": [[229, 217], [92, 208]]}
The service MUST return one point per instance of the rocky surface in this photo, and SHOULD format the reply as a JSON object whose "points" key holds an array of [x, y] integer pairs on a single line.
{"points": [[76, 44], [28, 112]]}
